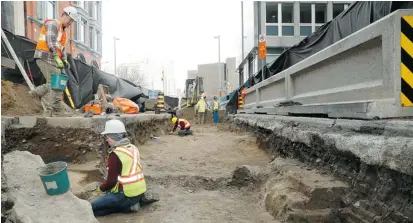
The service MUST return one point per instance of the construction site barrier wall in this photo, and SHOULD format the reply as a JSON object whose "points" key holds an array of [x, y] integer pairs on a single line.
{"points": [[360, 76]]}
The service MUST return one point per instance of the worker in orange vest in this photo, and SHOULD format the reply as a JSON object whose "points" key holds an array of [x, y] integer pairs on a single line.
{"points": [[50, 56]]}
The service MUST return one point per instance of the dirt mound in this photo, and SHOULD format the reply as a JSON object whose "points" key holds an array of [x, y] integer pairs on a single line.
{"points": [[16, 101]]}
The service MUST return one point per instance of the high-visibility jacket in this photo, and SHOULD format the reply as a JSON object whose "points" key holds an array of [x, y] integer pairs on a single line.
{"points": [[131, 177], [182, 123], [61, 39], [201, 105], [216, 106]]}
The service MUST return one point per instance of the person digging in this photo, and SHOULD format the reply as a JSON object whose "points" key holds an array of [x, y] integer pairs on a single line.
{"points": [[185, 127], [125, 185]]}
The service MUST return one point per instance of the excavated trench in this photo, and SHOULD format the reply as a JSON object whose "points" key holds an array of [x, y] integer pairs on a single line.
{"points": [[374, 193], [230, 173]]}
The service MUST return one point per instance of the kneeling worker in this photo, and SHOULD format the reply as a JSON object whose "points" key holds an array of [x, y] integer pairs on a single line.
{"points": [[125, 185], [183, 124]]}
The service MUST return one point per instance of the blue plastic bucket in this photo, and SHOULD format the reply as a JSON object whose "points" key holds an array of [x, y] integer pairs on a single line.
{"points": [[54, 178], [58, 82]]}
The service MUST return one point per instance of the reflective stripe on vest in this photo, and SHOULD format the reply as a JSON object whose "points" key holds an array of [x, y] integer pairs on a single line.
{"points": [[187, 125], [131, 177], [60, 39]]}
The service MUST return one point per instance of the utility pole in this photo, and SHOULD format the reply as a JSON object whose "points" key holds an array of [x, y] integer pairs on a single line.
{"points": [[219, 61], [114, 46]]}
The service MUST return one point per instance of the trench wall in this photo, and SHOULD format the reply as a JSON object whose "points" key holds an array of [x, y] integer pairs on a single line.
{"points": [[374, 157]]}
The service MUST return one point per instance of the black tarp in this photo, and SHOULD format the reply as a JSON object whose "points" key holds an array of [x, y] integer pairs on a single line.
{"points": [[83, 79], [356, 17]]}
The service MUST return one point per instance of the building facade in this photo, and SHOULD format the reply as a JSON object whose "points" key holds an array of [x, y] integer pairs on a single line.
{"points": [[284, 24], [85, 35]]}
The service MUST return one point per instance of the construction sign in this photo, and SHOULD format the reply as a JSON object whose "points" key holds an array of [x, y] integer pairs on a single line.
{"points": [[406, 65], [262, 47]]}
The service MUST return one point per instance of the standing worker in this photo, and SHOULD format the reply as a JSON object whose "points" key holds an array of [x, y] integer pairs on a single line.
{"points": [[183, 124], [51, 57], [125, 184], [201, 107], [215, 109]]}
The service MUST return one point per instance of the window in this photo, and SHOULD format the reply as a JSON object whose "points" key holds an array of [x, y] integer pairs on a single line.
{"points": [[95, 11], [272, 30], [305, 30], [288, 30], [83, 4], [83, 30], [338, 8], [46, 10], [272, 12], [91, 43], [287, 13], [305, 13], [95, 40], [99, 41], [75, 30], [99, 12], [320, 13]]}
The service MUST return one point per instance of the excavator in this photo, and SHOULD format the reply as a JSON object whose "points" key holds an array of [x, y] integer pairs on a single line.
{"points": [[193, 90]]}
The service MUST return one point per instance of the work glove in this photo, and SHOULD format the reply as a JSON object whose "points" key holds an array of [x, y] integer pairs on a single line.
{"points": [[59, 62], [98, 191], [67, 65]]}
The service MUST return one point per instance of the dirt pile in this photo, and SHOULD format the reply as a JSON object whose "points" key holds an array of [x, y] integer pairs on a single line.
{"points": [[16, 101]]}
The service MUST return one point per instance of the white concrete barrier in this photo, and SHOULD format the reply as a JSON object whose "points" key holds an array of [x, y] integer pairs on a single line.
{"points": [[357, 77]]}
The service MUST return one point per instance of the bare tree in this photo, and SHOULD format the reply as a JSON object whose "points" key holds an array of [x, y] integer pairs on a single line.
{"points": [[132, 74]]}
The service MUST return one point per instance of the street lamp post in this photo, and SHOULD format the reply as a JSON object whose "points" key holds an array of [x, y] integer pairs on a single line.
{"points": [[114, 46], [219, 61]]}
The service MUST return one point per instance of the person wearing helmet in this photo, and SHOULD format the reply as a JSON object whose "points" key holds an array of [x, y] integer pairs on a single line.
{"points": [[125, 184], [201, 108], [215, 109], [50, 56], [183, 124]]}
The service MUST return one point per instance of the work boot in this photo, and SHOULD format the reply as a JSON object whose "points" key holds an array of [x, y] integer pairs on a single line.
{"points": [[149, 198], [135, 207]]}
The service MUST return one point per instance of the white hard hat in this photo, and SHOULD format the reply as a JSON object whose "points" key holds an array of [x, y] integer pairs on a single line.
{"points": [[71, 12], [114, 126]]}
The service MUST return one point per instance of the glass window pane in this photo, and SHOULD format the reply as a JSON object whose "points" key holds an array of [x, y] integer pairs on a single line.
{"points": [[305, 13], [287, 12], [91, 37], [305, 30], [39, 10], [83, 30], [95, 11], [288, 30], [75, 32], [272, 12], [337, 9], [99, 43], [320, 13], [50, 9], [272, 30], [95, 40]]}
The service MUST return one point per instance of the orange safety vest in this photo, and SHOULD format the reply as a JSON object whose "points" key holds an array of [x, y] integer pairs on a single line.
{"points": [[60, 39], [184, 123]]}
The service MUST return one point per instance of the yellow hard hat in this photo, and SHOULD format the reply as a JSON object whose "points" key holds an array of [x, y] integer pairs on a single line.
{"points": [[174, 119]]}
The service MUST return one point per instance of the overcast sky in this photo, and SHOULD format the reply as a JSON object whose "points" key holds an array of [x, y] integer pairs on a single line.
{"points": [[180, 31]]}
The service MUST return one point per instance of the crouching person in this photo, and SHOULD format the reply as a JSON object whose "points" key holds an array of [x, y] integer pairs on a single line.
{"points": [[125, 185], [185, 127]]}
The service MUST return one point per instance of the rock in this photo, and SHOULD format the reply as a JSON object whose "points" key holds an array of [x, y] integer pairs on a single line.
{"points": [[245, 175], [22, 179]]}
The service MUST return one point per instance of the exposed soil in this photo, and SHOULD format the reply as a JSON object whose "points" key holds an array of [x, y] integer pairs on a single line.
{"points": [[192, 175], [53, 144], [376, 194], [16, 101]]}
